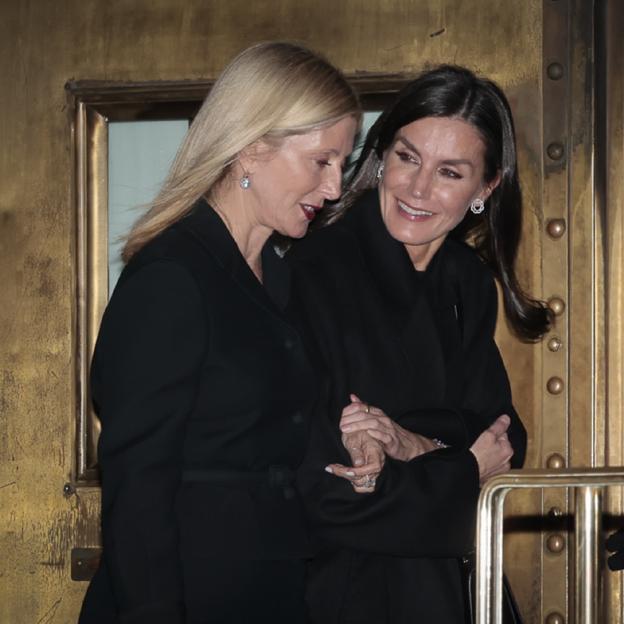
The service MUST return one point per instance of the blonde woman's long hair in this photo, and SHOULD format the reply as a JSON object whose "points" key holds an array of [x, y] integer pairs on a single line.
{"points": [[269, 91]]}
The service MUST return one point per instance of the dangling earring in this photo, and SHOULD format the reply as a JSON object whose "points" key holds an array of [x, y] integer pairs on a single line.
{"points": [[245, 182], [380, 171], [477, 206]]}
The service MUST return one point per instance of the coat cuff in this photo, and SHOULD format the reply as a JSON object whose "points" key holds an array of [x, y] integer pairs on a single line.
{"points": [[446, 425]]}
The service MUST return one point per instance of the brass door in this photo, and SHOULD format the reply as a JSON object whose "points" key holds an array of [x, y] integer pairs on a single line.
{"points": [[558, 61]]}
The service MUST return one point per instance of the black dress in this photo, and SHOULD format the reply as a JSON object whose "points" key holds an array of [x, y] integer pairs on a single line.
{"points": [[204, 391], [419, 345]]}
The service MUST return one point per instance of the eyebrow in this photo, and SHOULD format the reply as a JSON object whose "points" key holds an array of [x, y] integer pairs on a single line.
{"points": [[449, 161]]}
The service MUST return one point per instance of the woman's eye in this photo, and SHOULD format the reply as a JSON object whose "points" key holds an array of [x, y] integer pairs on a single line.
{"points": [[323, 163], [449, 173], [407, 157]]}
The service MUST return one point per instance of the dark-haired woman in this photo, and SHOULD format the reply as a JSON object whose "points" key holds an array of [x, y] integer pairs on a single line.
{"points": [[402, 312]]}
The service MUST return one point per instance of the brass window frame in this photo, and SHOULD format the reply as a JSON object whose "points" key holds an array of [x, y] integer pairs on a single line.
{"points": [[93, 105]]}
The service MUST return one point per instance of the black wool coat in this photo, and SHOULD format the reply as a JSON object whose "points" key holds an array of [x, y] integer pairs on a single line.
{"points": [[419, 345], [204, 390]]}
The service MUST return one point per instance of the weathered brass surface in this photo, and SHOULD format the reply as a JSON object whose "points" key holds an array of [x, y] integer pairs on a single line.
{"points": [[540, 51], [610, 212]]}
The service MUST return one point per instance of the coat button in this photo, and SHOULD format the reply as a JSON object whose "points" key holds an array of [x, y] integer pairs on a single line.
{"points": [[289, 492], [289, 343], [297, 418]]}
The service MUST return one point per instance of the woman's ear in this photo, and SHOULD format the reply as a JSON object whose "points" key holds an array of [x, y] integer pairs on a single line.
{"points": [[490, 186], [246, 159], [257, 152]]}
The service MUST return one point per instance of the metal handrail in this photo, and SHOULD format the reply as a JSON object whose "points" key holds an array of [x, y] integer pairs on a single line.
{"points": [[588, 484]]}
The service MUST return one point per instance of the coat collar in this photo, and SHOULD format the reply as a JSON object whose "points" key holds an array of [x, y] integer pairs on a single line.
{"points": [[418, 301], [387, 259], [206, 226]]}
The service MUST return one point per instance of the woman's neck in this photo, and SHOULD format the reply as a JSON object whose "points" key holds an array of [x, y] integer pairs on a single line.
{"points": [[239, 218]]}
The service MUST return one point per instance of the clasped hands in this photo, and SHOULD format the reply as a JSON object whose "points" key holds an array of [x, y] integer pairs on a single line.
{"points": [[370, 436]]}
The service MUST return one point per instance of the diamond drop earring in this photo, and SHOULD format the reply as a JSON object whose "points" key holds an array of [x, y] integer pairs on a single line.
{"points": [[245, 182]]}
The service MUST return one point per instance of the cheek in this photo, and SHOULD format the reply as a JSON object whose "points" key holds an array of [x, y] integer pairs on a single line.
{"points": [[456, 202], [395, 178]]}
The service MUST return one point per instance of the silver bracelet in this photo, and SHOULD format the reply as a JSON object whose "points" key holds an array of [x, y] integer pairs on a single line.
{"points": [[439, 443]]}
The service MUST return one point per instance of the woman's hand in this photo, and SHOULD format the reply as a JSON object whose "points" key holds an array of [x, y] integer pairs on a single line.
{"points": [[367, 457], [493, 450], [397, 442]]}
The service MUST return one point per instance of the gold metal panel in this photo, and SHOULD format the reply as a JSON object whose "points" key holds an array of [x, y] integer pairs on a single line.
{"points": [[610, 205]]}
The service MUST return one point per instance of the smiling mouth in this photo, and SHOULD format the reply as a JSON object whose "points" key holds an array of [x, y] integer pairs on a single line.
{"points": [[310, 211], [414, 212]]}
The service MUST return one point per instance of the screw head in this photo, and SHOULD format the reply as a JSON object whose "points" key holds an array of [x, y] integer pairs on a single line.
{"points": [[555, 343], [555, 71], [556, 228], [555, 151], [555, 461], [556, 305], [555, 543]]}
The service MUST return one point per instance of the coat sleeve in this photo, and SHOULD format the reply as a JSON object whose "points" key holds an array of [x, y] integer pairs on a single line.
{"points": [[487, 393], [446, 425], [419, 508], [146, 363]]}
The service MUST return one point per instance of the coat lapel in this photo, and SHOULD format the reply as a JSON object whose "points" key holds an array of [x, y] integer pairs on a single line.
{"points": [[404, 292], [204, 224]]}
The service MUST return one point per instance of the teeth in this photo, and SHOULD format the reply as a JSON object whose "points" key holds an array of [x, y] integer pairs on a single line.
{"points": [[413, 211]]}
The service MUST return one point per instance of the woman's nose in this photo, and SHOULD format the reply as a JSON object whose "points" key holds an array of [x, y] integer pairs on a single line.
{"points": [[420, 184], [333, 183]]}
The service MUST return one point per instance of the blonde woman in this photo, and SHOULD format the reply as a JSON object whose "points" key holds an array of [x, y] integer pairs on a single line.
{"points": [[200, 380]]}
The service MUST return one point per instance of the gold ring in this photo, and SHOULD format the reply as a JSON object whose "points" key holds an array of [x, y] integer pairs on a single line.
{"points": [[367, 409]]}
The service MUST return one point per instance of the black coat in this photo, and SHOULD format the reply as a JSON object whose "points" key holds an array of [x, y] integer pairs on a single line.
{"points": [[419, 345], [204, 390]]}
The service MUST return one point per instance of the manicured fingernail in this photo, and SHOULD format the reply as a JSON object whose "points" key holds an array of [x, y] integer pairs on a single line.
{"points": [[350, 473], [346, 428], [358, 462], [329, 469]]}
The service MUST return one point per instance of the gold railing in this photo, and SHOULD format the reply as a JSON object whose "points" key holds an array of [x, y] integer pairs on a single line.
{"points": [[588, 484]]}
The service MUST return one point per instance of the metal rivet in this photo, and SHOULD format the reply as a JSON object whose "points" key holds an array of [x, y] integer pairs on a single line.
{"points": [[555, 512], [555, 543], [554, 618], [555, 385], [555, 461], [554, 344], [556, 228], [555, 151], [68, 489], [556, 305], [555, 71]]}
